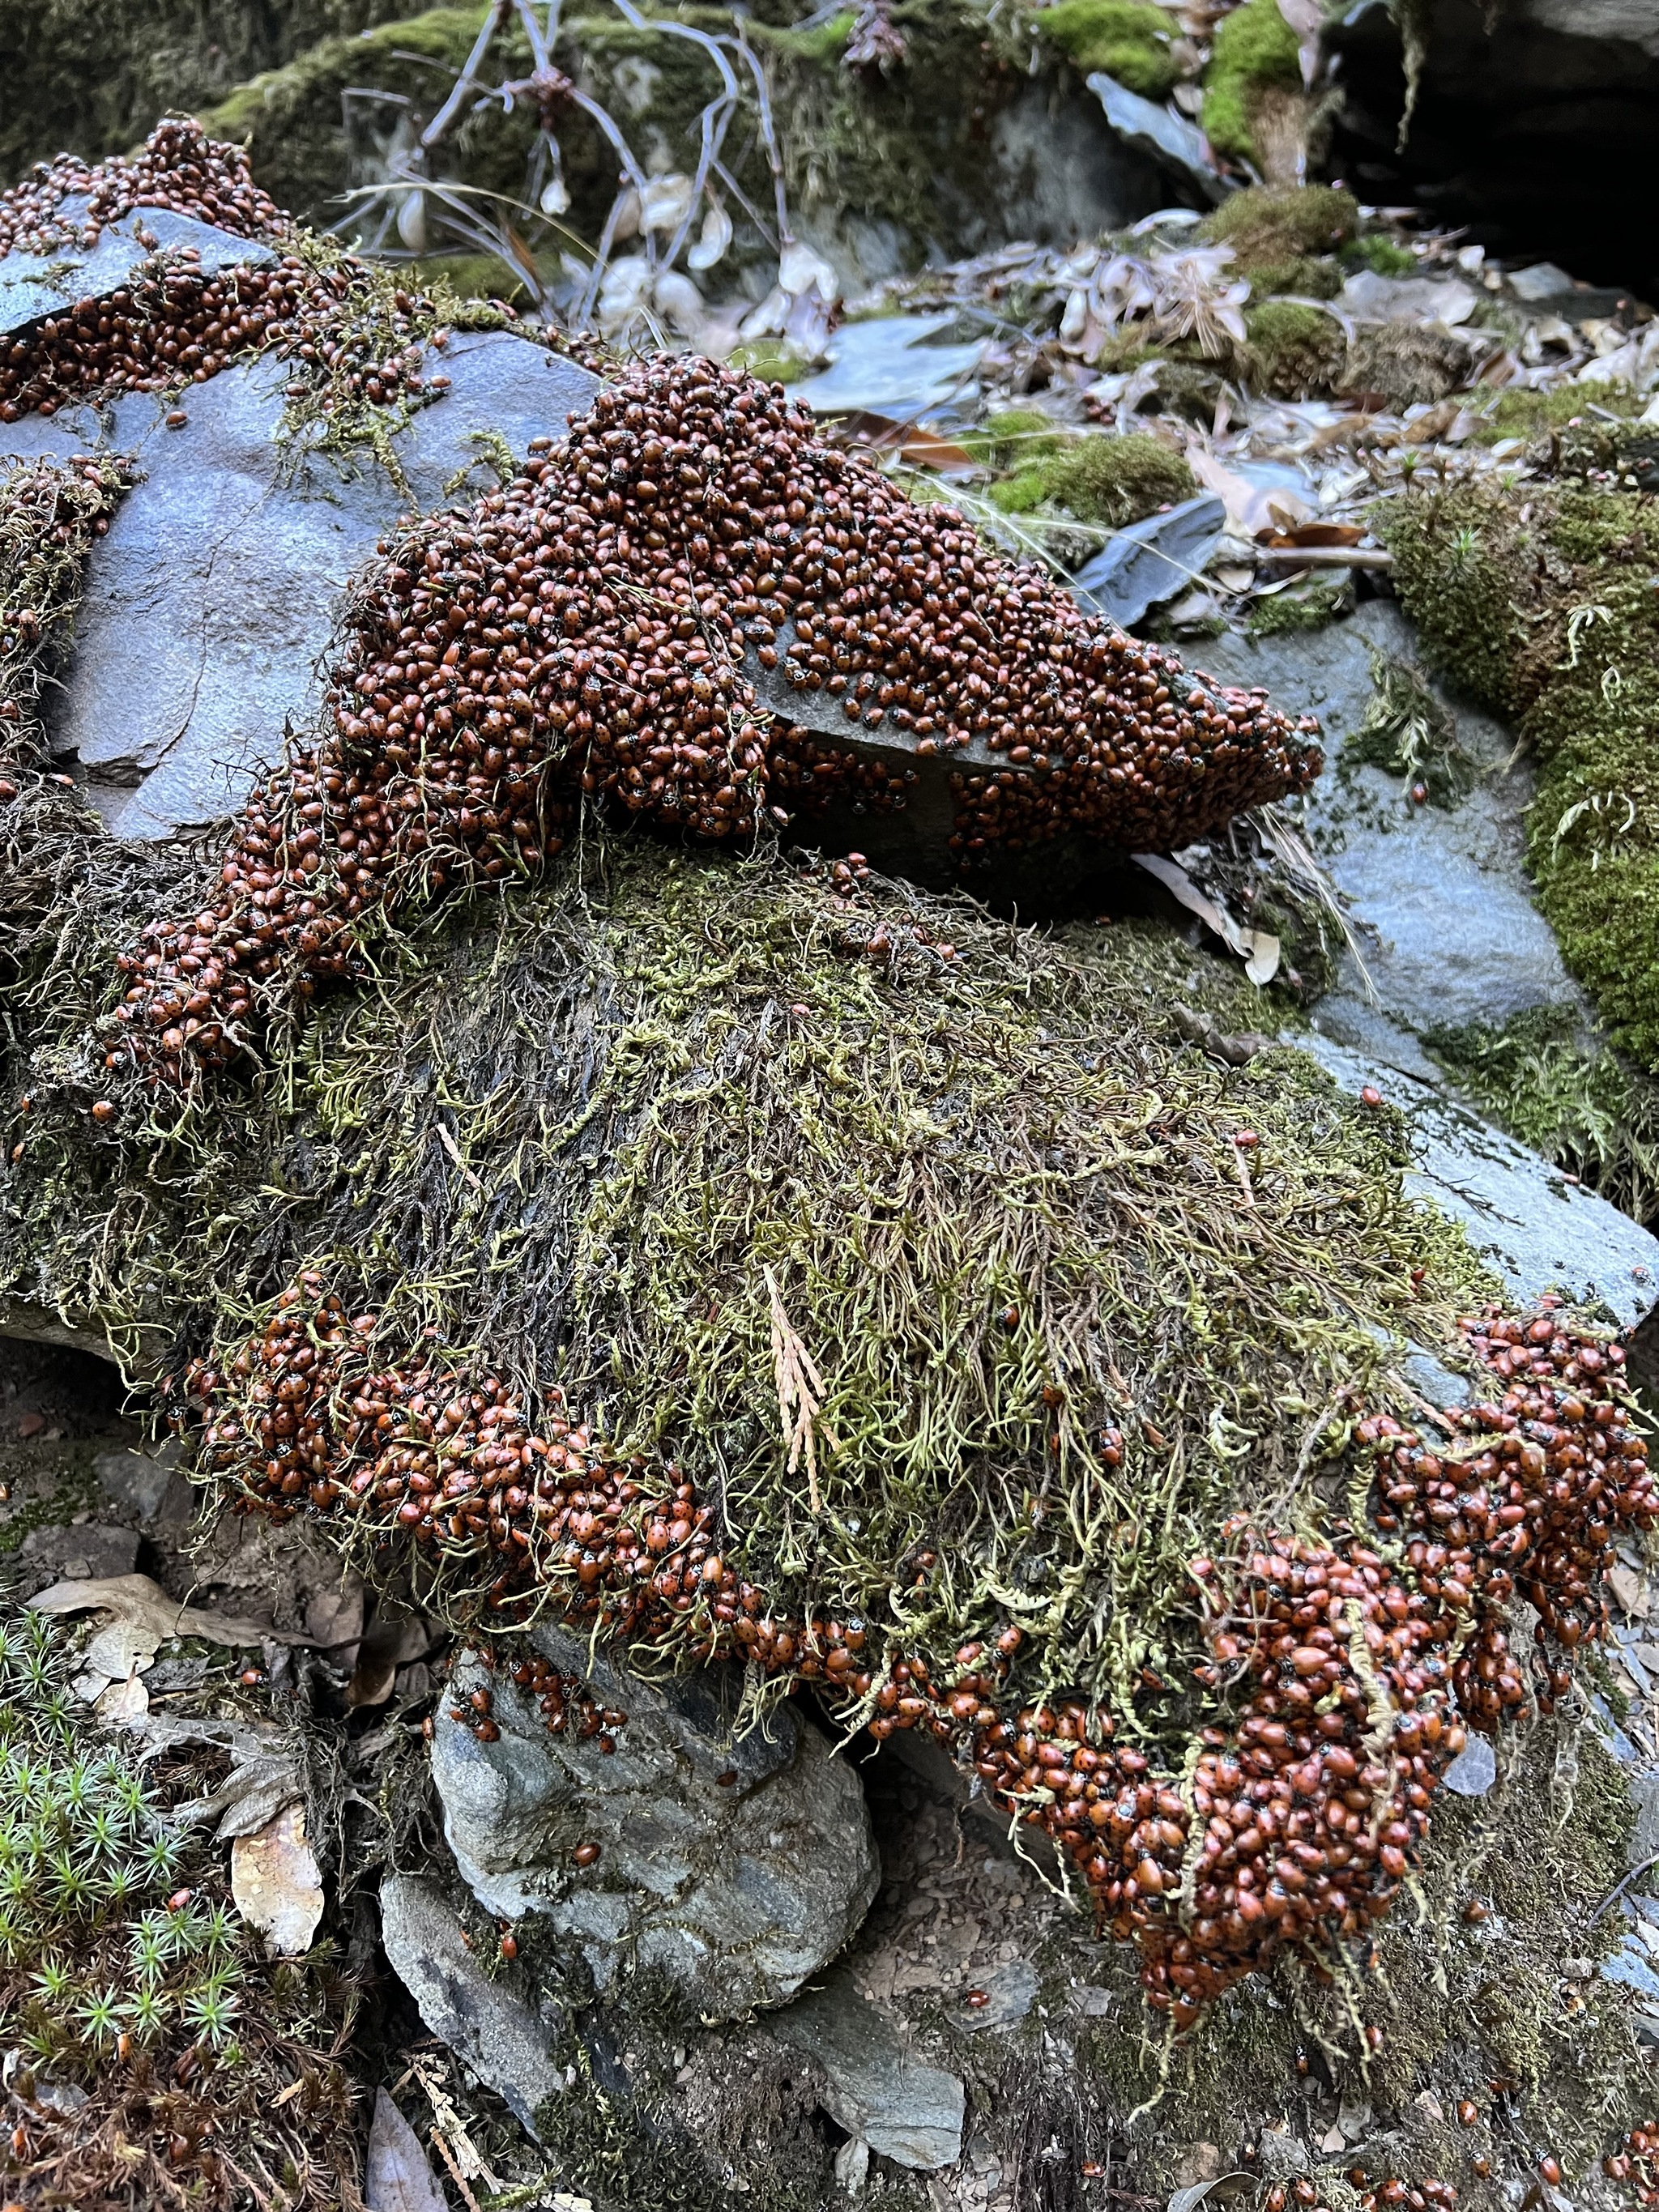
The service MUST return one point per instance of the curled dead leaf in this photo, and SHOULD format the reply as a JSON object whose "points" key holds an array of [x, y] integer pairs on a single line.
{"points": [[277, 1884]]}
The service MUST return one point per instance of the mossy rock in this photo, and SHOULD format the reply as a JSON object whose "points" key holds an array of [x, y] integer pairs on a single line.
{"points": [[1129, 39], [1291, 350], [1553, 621], [1271, 225], [1112, 480], [1255, 54]]}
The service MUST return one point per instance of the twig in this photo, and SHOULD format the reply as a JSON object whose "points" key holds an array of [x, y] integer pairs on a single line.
{"points": [[468, 77], [800, 1392], [1621, 1886], [460, 2180], [1326, 557]]}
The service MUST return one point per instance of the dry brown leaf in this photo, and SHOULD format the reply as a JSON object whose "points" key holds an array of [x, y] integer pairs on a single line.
{"points": [[277, 1884], [390, 1641], [400, 2177], [136, 1598], [123, 1703]]}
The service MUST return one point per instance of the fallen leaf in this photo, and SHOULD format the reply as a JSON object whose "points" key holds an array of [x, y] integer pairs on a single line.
{"points": [[400, 2177], [334, 1618], [126, 1647], [1306, 18], [277, 1884], [136, 1598], [1251, 508], [1322, 533], [1259, 949], [124, 1703], [1630, 1589]]}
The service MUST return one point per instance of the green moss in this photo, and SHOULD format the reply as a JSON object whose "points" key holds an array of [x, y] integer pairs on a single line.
{"points": [[1130, 39], [1108, 480], [1274, 224], [1015, 438], [1281, 613], [822, 43], [1383, 255], [1255, 52], [1408, 731], [1292, 350], [1312, 277], [1519, 414], [1577, 1102]]}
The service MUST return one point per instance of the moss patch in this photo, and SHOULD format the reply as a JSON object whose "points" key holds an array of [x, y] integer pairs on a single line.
{"points": [[1108, 480], [1578, 1104], [1279, 223], [1291, 350], [1128, 38], [1255, 52]]}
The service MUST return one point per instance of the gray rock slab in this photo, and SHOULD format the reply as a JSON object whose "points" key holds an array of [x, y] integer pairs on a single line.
{"points": [[1539, 1232], [1163, 132], [1370, 298], [877, 2088], [1474, 1770], [1150, 561], [34, 285], [211, 603], [1440, 898], [1012, 1991], [738, 1863], [507, 2045]]}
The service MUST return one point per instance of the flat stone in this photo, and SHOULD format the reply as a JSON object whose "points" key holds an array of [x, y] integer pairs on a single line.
{"points": [[507, 2045], [146, 1484], [1012, 1991], [1542, 281], [34, 286], [1162, 132], [211, 603], [1539, 1231], [736, 1863], [1150, 561], [1474, 1770], [876, 2088]]}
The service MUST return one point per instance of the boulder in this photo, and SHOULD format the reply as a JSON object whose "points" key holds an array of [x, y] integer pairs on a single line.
{"points": [[736, 1862]]}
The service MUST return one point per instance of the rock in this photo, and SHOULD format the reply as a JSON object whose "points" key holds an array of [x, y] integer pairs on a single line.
{"points": [[1441, 896], [1163, 132], [34, 286], [905, 2110], [1012, 1992], [148, 1484], [1542, 281], [91, 1552], [1535, 122], [1540, 1232], [1474, 1770], [508, 2046], [212, 601], [737, 1889], [1152, 559]]}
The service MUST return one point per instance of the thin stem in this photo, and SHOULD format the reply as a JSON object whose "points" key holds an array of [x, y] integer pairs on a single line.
{"points": [[468, 77]]}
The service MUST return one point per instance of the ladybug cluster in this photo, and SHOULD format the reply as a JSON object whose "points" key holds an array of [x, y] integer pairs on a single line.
{"points": [[1637, 2162], [1526, 1500], [1392, 2196], [66, 204], [52, 515], [1294, 1824], [594, 616]]}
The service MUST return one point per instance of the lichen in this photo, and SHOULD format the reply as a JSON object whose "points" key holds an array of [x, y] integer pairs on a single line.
{"points": [[1129, 39], [1255, 52]]}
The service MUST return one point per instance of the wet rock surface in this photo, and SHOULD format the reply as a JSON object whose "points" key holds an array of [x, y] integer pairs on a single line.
{"points": [[737, 1863]]}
